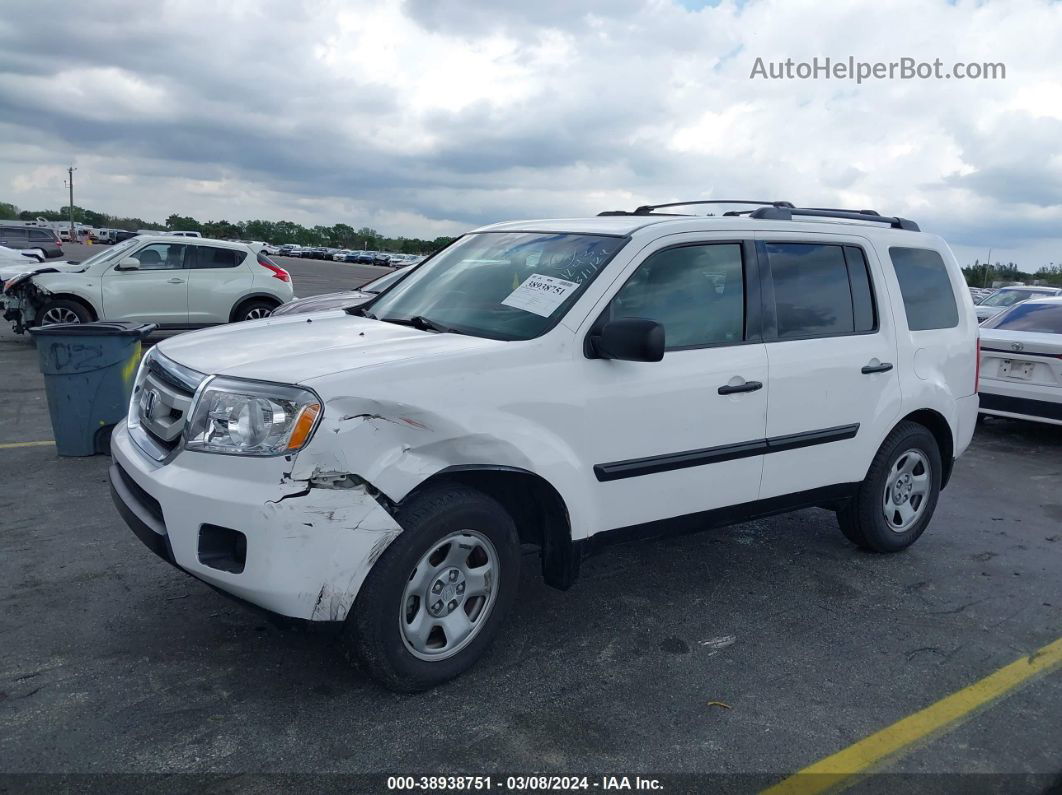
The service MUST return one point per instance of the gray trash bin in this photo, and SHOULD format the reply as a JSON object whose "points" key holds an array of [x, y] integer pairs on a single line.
{"points": [[88, 376]]}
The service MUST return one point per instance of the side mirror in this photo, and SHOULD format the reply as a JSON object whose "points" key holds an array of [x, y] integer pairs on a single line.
{"points": [[128, 264], [632, 339]]}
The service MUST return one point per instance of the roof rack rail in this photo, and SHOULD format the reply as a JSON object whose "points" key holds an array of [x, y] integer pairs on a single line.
{"points": [[787, 213], [650, 209]]}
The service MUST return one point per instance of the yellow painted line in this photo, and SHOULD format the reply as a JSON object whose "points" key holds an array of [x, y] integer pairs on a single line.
{"points": [[844, 767], [13, 445]]}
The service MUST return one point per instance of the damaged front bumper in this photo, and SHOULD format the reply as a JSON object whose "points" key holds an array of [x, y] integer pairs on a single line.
{"points": [[244, 527]]}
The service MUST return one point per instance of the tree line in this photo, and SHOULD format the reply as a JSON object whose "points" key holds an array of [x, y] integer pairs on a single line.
{"points": [[336, 236], [982, 274]]}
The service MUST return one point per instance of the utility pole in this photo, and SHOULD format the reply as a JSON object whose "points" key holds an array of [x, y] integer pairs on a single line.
{"points": [[70, 184], [988, 266]]}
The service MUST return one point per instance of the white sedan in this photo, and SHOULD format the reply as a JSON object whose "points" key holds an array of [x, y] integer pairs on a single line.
{"points": [[175, 281], [1021, 362]]}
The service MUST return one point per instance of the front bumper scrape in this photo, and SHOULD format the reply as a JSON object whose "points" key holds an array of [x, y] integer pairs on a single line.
{"points": [[307, 551]]}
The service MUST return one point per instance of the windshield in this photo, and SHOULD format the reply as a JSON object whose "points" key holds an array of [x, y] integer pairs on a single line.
{"points": [[1007, 297], [1037, 318], [110, 253], [506, 286]]}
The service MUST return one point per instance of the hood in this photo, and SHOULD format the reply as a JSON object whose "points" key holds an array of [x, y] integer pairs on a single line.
{"points": [[317, 303], [296, 349], [10, 270]]}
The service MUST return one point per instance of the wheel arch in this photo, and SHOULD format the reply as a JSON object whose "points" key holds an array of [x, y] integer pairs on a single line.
{"points": [[256, 296], [537, 508], [80, 299], [938, 425]]}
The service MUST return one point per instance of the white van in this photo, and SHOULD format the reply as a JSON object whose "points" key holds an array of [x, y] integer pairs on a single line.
{"points": [[564, 383]]}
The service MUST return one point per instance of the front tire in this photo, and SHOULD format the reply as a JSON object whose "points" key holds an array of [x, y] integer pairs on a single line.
{"points": [[895, 502], [62, 310], [434, 601]]}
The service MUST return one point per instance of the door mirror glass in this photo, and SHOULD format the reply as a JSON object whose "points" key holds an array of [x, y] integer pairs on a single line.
{"points": [[129, 264], [632, 339]]}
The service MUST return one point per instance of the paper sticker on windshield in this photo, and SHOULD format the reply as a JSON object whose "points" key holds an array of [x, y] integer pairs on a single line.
{"points": [[540, 294]]}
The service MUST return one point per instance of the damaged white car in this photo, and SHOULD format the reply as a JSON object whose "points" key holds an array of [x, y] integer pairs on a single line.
{"points": [[175, 281], [558, 383]]}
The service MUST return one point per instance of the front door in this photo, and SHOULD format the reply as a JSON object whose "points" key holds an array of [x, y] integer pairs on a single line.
{"points": [[156, 292], [684, 434]]}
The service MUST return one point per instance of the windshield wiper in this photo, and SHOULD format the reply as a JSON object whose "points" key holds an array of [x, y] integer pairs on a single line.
{"points": [[422, 323]]}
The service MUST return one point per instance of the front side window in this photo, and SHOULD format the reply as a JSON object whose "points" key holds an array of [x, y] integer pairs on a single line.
{"points": [[1035, 318], [161, 256], [697, 293], [500, 285], [811, 290], [928, 298]]}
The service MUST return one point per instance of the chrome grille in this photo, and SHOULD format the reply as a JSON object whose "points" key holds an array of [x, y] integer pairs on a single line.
{"points": [[161, 399]]}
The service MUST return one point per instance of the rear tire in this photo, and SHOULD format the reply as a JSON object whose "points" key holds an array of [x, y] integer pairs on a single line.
{"points": [[895, 502], [455, 564], [62, 310], [254, 310]]}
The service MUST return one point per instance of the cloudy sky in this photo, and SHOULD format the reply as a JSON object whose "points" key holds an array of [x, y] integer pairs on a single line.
{"points": [[426, 117]]}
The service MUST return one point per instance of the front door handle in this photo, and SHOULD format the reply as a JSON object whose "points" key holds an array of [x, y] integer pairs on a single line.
{"points": [[748, 386], [175, 280], [882, 367]]}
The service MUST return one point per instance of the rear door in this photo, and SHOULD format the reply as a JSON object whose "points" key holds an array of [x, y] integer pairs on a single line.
{"points": [[217, 278], [157, 292], [831, 348]]}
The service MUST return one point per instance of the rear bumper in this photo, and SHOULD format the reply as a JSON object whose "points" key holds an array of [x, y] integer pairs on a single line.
{"points": [[1021, 407], [306, 550]]}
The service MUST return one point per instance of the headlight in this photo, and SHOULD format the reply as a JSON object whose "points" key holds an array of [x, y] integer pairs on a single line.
{"points": [[133, 416], [251, 418]]}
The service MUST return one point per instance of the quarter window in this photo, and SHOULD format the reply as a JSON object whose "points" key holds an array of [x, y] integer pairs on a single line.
{"points": [[696, 293], [928, 297]]}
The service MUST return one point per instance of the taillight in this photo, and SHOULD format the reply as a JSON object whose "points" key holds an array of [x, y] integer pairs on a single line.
{"points": [[977, 368], [278, 272]]}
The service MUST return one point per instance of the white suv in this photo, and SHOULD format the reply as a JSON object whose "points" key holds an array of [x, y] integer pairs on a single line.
{"points": [[563, 383], [173, 280]]}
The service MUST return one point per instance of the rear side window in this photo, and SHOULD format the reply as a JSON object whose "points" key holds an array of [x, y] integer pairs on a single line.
{"points": [[820, 290], [211, 257], [1037, 318], [928, 298]]}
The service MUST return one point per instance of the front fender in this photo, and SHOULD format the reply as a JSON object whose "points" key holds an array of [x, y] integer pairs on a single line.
{"points": [[396, 446]]}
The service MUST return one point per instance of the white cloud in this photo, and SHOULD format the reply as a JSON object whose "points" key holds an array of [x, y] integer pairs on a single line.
{"points": [[423, 116]]}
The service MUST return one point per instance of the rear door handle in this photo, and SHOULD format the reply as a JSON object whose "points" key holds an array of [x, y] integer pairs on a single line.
{"points": [[883, 367], [748, 386], [181, 281]]}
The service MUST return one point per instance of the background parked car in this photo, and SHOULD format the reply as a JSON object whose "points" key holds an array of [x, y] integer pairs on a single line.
{"points": [[175, 281], [35, 238], [290, 250], [347, 299], [979, 294], [10, 256], [1008, 296], [1021, 362]]}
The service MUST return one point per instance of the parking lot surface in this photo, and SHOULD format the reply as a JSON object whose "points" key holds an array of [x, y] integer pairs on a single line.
{"points": [[758, 648]]}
